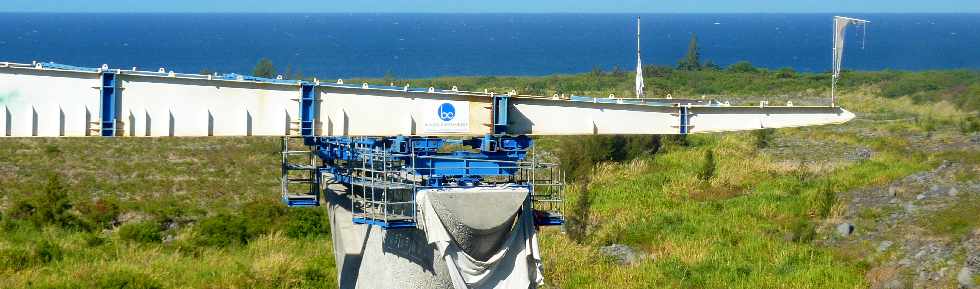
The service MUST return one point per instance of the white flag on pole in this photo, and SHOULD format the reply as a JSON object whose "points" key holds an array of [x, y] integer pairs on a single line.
{"points": [[639, 78], [639, 64]]}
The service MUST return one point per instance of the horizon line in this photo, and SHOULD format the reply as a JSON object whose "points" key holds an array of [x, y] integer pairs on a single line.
{"points": [[472, 13]]}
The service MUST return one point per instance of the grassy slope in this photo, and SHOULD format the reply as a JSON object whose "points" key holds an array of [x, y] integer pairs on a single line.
{"points": [[155, 179], [749, 226]]}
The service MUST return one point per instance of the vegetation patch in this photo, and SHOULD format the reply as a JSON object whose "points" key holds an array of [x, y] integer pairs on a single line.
{"points": [[141, 232], [956, 221], [306, 223], [125, 279], [223, 230]]}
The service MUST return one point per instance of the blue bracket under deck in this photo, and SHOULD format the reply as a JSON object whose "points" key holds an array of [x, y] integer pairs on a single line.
{"points": [[685, 120], [500, 105], [307, 110], [109, 102]]}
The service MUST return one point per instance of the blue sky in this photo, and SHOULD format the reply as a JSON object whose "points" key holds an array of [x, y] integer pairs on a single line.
{"points": [[495, 6]]}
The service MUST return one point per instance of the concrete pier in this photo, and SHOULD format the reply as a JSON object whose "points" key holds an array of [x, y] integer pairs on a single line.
{"points": [[371, 257]]}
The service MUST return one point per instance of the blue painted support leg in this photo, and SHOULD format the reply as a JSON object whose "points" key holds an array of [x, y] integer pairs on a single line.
{"points": [[109, 104], [307, 110]]}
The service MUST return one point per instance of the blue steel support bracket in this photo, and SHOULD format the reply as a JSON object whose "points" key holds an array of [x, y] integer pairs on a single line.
{"points": [[685, 120], [500, 107], [109, 103], [307, 112]]}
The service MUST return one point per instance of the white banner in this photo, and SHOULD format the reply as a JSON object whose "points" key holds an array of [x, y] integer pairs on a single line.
{"points": [[444, 116]]}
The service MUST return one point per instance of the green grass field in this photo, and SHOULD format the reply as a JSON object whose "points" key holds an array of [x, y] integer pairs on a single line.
{"points": [[204, 212]]}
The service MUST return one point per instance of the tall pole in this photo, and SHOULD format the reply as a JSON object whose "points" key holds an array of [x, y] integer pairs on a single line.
{"points": [[637, 37]]}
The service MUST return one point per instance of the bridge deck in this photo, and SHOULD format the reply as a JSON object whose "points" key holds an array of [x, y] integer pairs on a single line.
{"points": [[51, 100]]}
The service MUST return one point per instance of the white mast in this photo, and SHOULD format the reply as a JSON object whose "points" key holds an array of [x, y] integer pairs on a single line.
{"points": [[840, 26], [639, 64]]}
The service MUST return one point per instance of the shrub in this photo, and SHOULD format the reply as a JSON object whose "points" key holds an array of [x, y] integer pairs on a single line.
{"points": [[641, 145], [167, 210], [43, 252], [57, 285], [14, 259], [307, 222], [51, 149], [786, 72], [264, 69], [126, 280], [803, 231], [316, 273], [50, 207], [578, 217], [93, 239], [100, 213], [579, 155], [970, 124], [657, 71], [763, 137], [823, 200], [261, 216], [708, 166], [742, 66], [142, 232], [46, 251], [222, 230], [675, 140]]}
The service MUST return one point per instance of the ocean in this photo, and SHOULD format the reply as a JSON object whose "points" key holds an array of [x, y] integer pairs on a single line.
{"points": [[427, 45]]}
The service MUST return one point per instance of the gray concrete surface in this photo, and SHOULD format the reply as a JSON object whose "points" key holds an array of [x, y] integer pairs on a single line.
{"points": [[369, 257], [478, 220]]}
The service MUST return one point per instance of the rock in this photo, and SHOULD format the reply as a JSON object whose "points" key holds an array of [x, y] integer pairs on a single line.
{"points": [[921, 197], [788, 236], [953, 192], [624, 255], [130, 217], [845, 229], [171, 225], [910, 207], [943, 165], [864, 153], [965, 278], [894, 284], [884, 246]]}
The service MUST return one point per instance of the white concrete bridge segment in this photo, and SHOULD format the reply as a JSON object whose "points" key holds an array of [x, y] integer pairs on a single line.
{"points": [[52, 102], [549, 117]]}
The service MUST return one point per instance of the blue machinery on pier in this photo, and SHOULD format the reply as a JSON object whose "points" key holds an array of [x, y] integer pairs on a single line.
{"points": [[384, 174]]}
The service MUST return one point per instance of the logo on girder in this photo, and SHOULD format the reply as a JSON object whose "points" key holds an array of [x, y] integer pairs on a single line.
{"points": [[447, 112], [442, 116]]}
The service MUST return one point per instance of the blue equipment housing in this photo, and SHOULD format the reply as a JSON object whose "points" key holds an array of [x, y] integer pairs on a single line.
{"points": [[383, 174]]}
